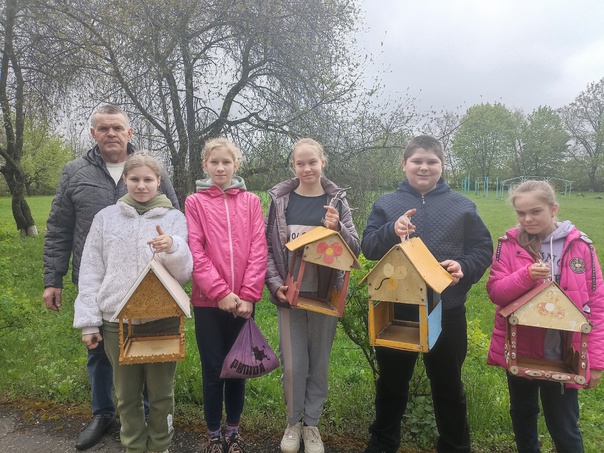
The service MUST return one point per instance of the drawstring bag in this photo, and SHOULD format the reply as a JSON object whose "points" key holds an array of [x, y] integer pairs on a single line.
{"points": [[251, 356]]}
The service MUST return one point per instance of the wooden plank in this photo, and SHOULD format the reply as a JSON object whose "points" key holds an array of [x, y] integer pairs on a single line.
{"points": [[317, 306], [400, 335], [383, 313], [543, 364], [425, 263], [149, 349]]}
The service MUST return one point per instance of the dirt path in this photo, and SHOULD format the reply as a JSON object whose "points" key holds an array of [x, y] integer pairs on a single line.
{"points": [[40, 431]]}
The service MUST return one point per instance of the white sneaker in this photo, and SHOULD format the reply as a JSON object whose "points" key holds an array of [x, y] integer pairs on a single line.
{"points": [[290, 443], [312, 440]]}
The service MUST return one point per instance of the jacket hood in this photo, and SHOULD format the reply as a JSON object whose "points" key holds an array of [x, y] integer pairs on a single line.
{"points": [[285, 187], [237, 182], [563, 229]]}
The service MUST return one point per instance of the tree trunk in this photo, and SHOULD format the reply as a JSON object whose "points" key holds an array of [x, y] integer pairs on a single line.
{"points": [[21, 211], [180, 181], [23, 217], [592, 175], [13, 129]]}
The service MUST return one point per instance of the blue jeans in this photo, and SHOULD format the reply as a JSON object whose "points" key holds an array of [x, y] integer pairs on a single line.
{"points": [[560, 409], [100, 374]]}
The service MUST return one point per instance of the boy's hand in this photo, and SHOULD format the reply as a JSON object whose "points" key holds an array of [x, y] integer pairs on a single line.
{"points": [[403, 226], [453, 268]]}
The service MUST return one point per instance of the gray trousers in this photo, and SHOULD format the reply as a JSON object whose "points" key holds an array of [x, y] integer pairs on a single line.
{"points": [[305, 341]]}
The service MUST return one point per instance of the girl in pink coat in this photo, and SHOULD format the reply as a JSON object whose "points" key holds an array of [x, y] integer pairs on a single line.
{"points": [[537, 249], [228, 243]]}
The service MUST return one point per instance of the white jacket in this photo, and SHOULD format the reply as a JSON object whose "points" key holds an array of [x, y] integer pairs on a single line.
{"points": [[116, 252]]}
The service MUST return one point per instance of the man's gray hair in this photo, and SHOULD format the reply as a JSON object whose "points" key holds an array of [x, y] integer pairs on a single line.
{"points": [[109, 109]]}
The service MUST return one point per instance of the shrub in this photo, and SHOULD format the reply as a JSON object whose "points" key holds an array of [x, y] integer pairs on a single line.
{"points": [[354, 321]]}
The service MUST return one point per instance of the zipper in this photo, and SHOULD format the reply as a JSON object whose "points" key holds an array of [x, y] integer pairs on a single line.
{"points": [[229, 232]]}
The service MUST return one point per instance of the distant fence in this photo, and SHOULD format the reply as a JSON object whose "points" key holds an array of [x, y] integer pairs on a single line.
{"points": [[483, 184]]}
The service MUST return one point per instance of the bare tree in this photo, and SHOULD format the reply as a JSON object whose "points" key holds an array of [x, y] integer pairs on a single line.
{"points": [[584, 121], [12, 87], [443, 126], [33, 83], [195, 69]]}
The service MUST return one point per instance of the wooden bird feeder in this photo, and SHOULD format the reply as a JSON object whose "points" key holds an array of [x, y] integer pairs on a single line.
{"points": [[327, 250], [547, 307], [154, 295], [408, 274]]}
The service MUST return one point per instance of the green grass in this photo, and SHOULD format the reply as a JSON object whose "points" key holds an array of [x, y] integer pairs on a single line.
{"points": [[42, 357]]}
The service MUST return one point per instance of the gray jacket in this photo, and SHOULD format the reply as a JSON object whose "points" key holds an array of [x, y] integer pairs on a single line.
{"points": [[86, 187], [276, 231]]}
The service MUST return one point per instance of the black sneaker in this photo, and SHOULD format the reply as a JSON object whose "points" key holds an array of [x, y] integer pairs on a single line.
{"points": [[235, 444], [374, 449]]}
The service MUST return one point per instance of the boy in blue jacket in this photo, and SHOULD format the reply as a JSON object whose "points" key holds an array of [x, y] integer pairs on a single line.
{"points": [[448, 223]]}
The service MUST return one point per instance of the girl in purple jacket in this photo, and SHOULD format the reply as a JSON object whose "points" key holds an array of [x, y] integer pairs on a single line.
{"points": [[228, 243], [540, 248], [305, 337]]}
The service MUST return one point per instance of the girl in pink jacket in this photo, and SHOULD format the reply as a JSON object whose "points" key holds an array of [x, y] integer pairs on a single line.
{"points": [[228, 243], [542, 248]]}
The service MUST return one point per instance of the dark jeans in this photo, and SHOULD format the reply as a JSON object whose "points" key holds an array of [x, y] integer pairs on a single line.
{"points": [[443, 366], [560, 409], [100, 373], [216, 331]]}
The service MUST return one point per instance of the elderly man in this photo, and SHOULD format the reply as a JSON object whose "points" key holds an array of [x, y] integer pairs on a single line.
{"points": [[87, 185]]}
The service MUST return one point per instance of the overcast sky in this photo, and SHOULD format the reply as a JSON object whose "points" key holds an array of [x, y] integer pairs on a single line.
{"points": [[453, 54]]}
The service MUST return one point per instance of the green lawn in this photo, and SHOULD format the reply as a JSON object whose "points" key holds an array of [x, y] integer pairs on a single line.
{"points": [[42, 357]]}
